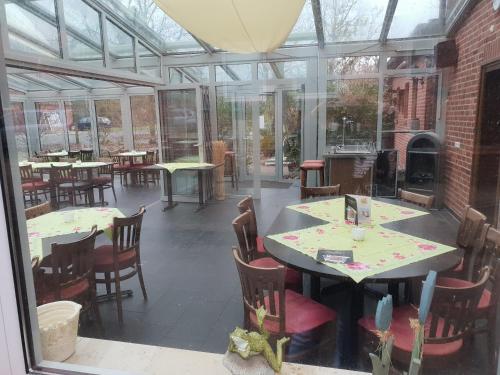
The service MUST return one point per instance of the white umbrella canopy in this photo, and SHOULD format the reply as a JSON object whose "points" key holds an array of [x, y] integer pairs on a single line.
{"points": [[243, 26]]}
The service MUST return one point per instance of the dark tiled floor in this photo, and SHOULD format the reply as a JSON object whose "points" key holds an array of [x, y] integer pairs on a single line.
{"points": [[193, 287]]}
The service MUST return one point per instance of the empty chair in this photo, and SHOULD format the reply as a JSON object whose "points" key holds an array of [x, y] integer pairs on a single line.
{"points": [[122, 168], [310, 325], [86, 155], [32, 185], [452, 313], [321, 191], [105, 179], [72, 275], [74, 154], [311, 165], [243, 206], [123, 254], [425, 201], [244, 228], [38, 210], [67, 181]]}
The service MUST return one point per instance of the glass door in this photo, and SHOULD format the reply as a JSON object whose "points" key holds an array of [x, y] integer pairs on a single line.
{"points": [[291, 132]]}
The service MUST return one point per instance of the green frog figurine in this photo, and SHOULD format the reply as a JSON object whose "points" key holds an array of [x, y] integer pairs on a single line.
{"points": [[248, 344]]}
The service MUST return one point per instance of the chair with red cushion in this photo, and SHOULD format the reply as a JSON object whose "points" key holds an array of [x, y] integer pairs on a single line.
{"points": [[123, 254], [288, 313], [105, 179], [32, 184], [311, 165], [244, 228], [71, 182], [487, 254], [448, 325], [72, 275], [122, 168], [243, 206], [468, 231]]}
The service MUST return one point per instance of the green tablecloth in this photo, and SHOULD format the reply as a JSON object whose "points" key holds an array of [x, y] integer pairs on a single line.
{"points": [[172, 167], [58, 223], [382, 250]]}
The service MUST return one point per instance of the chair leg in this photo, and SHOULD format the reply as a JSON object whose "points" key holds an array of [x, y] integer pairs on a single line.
{"points": [[492, 346], [118, 291], [107, 279], [113, 190], [141, 279]]}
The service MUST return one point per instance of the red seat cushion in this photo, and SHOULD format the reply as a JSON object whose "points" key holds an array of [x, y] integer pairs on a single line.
{"points": [[312, 166], [293, 278], [314, 162], [260, 245], [35, 185], [70, 293], [302, 314], [452, 282], [103, 259], [121, 167], [404, 335], [101, 180], [459, 267]]}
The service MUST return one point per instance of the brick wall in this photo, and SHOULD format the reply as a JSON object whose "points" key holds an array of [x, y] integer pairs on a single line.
{"points": [[478, 41]]}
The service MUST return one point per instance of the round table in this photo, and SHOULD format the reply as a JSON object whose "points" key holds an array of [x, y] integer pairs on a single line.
{"points": [[438, 226]]}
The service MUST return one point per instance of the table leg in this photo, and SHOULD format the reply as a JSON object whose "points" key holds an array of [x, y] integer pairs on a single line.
{"points": [[201, 195], [393, 289], [315, 288], [170, 199], [357, 310], [53, 197]]}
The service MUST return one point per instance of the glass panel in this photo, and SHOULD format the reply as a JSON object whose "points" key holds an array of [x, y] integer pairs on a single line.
{"points": [[79, 124], [282, 70], [143, 110], [351, 112], [267, 126], [109, 126], [350, 20], [19, 120], [149, 62], [83, 31], [121, 48], [293, 107], [233, 72], [33, 27], [411, 62], [52, 82], [189, 74], [414, 18], [226, 113], [304, 31], [179, 125], [352, 65], [50, 126]]}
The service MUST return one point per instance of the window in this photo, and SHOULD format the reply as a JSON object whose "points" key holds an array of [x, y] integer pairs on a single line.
{"points": [[50, 126], [121, 48], [282, 70], [109, 126], [17, 111], [149, 62], [189, 74], [143, 111], [79, 124], [352, 65], [233, 72]]}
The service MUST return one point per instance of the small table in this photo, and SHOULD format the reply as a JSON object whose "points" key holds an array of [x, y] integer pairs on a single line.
{"points": [[426, 225], [65, 223], [57, 155], [200, 168], [130, 155]]}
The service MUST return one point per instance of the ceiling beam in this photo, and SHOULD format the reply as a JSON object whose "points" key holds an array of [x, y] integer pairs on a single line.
{"points": [[389, 15], [276, 70], [72, 81], [207, 47], [37, 82], [318, 23], [230, 72]]}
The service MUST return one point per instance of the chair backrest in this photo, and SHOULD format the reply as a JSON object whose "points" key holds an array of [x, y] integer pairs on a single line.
{"points": [[38, 210], [127, 233], [106, 169], [487, 254], [470, 227], [247, 204], [86, 155], [321, 191], [421, 200], [73, 262], [74, 154], [263, 287], [453, 311], [150, 157], [245, 231], [26, 172], [60, 174]]}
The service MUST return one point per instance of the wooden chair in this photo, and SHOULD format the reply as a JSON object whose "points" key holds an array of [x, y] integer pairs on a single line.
{"points": [[72, 275], [421, 200], [244, 228], [468, 231], [68, 181], [146, 175], [322, 191], [243, 206], [451, 317], [121, 167], [486, 253], [231, 168], [38, 210], [288, 313], [86, 155], [123, 254], [311, 165], [32, 185], [74, 154], [105, 179]]}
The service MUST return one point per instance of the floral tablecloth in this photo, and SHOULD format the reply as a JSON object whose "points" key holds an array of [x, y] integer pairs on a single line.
{"points": [[172, 167], [382, 249], [58, 223]]}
